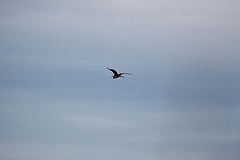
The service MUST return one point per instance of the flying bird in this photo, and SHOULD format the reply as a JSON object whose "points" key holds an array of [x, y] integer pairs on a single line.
{"points": [[117, 75]]}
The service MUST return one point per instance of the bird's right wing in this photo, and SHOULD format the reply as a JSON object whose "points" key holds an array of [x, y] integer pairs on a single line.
{"points": [[125, 73]]}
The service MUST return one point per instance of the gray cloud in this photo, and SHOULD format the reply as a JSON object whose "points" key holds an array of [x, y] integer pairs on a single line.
{"points": [[58, 100]]}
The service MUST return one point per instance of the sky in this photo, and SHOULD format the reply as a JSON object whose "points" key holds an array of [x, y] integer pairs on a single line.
{"points": [[58, 100]]}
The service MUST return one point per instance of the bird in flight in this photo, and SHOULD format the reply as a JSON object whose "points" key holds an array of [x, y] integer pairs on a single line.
{"points": [[117, 75]]}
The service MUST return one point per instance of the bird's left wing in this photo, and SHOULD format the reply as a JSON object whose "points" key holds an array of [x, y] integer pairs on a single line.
{"points": [[114, 72]]}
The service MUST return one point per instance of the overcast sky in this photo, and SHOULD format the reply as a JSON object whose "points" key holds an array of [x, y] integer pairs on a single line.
{"points": [[58, 100]]}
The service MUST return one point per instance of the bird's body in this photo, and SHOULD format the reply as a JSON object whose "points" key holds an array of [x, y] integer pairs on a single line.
{"points": [[117, 75]]}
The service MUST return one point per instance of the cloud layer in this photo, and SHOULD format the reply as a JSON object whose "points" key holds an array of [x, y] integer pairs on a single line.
{"points": [[58, 100]]}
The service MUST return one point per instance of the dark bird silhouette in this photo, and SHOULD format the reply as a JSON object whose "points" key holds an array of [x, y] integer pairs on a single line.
{"points": [[117, 75]]}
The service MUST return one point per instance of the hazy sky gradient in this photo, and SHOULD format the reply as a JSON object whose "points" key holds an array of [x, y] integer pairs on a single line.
{"points": [[58, 101]]}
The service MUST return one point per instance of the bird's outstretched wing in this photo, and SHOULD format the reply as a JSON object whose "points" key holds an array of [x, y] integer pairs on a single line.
{"points": [[124, 73], [114, 72]]}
